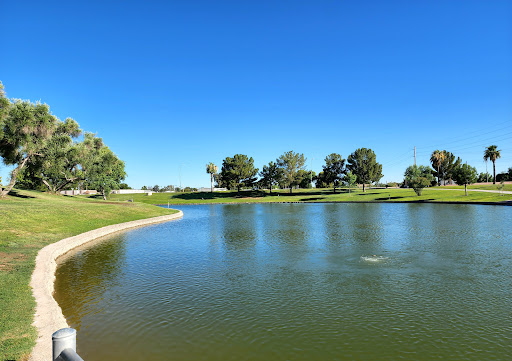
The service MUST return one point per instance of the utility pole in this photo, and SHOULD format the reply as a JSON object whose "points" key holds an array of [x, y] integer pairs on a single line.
{"points": [[311, 174], [181, 190], [414, 155]]}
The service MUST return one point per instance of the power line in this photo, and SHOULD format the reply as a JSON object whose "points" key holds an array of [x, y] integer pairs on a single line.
{"points": [[466, 138]]}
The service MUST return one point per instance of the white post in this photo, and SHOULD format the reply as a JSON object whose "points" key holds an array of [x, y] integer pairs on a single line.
{"points": [[63, 339]]}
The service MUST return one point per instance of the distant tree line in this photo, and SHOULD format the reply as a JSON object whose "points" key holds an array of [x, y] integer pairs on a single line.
{"points": [[288, 171], [47, 155], [445, 167]]}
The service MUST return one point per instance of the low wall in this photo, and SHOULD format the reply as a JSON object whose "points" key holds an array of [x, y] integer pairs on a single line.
{"points": [[75, 192], [48, 317]]}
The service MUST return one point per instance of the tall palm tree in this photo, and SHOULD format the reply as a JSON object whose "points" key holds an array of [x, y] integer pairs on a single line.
{"points": [[492, 153], [437, 159], [211, 169]]}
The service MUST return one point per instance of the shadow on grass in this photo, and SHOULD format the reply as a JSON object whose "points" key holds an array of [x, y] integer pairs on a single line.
{"points": [[311, 199], [16, 193], [387, 198], [243, 194]]}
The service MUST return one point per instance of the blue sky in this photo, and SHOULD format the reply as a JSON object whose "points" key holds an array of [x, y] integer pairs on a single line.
{"points": [[178, 84]]}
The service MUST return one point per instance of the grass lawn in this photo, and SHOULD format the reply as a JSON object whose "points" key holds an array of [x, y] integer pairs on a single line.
{"points": [[29, 221], [317, 195], [490, 187]]}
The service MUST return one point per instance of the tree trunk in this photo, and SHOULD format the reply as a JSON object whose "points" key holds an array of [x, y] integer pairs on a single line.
{"points": [[104, 195], [363, 187], [291, 189], [334, 189], [211, 174], [466, 188], [50, 188], [494, 171], [59, 188], [14, 174], [270, 188]]}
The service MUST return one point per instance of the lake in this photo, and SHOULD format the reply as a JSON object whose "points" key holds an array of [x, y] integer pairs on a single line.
{"points": [[297, 282]]}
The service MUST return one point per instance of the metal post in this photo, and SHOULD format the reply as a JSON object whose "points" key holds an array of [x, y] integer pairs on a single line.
{"points": [[64, 340]]}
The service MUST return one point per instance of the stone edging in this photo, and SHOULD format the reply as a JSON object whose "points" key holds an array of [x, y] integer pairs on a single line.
{"points": [[48, 317]]}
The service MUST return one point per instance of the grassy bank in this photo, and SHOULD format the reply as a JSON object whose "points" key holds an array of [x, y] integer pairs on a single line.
{"points": [[29, 221], [484, 186], [318, 195]]}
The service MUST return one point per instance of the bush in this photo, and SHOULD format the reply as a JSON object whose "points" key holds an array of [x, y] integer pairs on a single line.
{"points": [[503, 176], [484, 177], [418, 183]]}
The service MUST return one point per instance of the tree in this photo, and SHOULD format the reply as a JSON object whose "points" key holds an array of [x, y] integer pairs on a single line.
{"points": [[4, 109], [211, 169], [291, 162], [334, 169], [445, 166], [58, 165], [26, 133], [418, 177], [450, 164], [436, 159], [306, 176], [492, 153], [321, 181], [484, 177], [238, 171], [105, 171], [465, 174], [270, 175], [364, 165], [503, 176], [350, 179]]}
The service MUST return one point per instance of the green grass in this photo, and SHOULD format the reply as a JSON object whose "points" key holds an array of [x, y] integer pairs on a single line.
{"points": [[29, 221], [490, 187], [317, 195]]}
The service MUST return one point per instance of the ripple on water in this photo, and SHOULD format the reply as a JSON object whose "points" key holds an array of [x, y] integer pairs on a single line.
{"points": [[315, 282]]}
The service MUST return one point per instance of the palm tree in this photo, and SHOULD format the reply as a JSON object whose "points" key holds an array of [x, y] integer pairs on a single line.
{"points": [[437, 159], [211, 169], [492, 153]]}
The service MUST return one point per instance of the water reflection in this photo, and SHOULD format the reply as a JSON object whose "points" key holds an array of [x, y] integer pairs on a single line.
{"points": [[89, 276]]}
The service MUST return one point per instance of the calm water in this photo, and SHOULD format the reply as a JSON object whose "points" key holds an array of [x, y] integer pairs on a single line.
{"points": [[298, 282]]}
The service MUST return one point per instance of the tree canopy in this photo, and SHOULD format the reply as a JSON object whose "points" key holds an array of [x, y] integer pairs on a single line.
{"points": [[418, 177], [271, 175], [350, 179], [334, 169], [364, 165], [465, 174], [492, 153], [28, 131], [104, 171], [238, 172], [291, 163], [444, 163], [211, 169]]}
